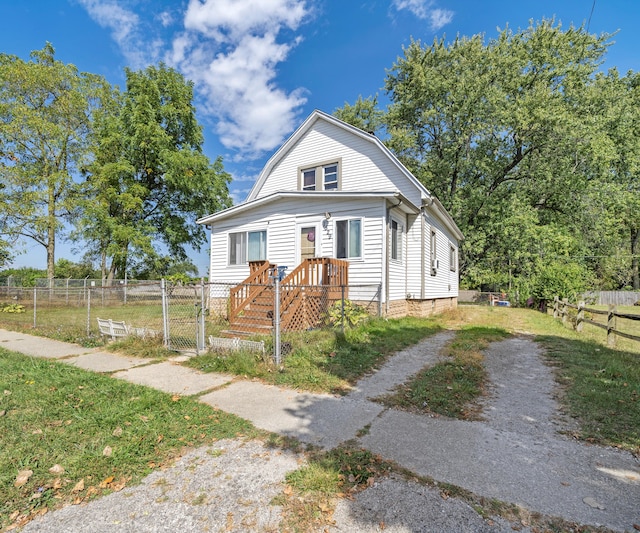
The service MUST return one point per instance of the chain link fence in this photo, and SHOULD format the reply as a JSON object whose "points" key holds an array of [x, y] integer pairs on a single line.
{"points": [[195, 318]]}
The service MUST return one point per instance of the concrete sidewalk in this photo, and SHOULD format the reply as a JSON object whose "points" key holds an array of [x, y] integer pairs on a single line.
{"points": [[515, 455]]}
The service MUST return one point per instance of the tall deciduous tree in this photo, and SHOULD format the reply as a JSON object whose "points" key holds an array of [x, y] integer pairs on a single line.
{"points": [[44, 122], [500, 132], [149, 181]]}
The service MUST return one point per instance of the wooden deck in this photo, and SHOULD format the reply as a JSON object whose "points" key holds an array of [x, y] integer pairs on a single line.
{"points": [[305, 295]]}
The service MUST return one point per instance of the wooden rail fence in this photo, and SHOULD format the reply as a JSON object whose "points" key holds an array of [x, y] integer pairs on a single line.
{"points": [[561, 310]]}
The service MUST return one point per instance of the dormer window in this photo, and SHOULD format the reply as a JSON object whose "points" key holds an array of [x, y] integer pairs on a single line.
{"points": [[322, 177]]}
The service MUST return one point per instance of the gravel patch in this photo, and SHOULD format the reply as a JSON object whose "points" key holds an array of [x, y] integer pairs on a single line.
{"points": [[228, 486]]}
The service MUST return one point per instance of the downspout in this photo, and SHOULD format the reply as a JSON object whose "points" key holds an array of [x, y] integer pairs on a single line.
{"points": [[423, 246], [423, 278], [387, 255]]}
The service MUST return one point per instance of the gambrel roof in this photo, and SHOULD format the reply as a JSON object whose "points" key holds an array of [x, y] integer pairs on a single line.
{"points": [[255, 199]]}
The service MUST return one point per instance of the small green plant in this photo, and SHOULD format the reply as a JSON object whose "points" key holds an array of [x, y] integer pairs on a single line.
{"points": [[12, 308], [346, 313]]}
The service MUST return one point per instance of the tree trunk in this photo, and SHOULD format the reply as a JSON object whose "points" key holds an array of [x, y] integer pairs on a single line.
{"points": [[635, 250]]}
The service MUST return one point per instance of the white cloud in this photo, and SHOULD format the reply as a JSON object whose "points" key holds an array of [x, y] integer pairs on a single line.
{"points": [[124, 27], [231, 50], [426, 10]]}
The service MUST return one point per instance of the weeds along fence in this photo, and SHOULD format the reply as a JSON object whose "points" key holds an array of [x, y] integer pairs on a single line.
{"points": [[196, 318], [579, 314]]}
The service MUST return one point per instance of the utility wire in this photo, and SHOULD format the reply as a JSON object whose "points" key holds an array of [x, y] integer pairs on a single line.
{"points": [[590, 15]]}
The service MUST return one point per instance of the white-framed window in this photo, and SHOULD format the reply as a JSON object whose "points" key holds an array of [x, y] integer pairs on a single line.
{"points": [[245, 246], [396, 240], [321, 177], [330, 177], [309, 179], [453, 258], [349, 238]]}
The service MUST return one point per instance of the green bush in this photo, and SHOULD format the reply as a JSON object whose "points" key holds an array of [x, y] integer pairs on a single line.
{"points": [[353, 314], [12, 308]]}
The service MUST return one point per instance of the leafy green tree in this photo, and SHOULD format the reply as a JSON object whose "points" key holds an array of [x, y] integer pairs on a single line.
{"points": [[618, 105], [149, 181], [66, 268], [44, 123], [504, 133], [364, 114]]}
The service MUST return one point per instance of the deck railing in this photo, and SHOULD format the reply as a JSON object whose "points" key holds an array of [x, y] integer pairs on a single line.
{"points": [[251, 288]]}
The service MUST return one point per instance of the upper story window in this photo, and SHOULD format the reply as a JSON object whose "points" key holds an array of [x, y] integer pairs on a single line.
{"points": [[322, 177]]}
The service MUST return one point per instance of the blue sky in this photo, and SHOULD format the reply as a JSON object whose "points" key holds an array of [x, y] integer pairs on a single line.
{"points": [[261, 66]]}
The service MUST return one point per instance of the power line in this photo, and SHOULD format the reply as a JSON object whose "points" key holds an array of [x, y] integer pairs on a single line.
{"points": [[591, 14]]}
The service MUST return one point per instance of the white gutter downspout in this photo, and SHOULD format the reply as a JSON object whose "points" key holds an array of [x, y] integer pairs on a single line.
{"points": [[423, 229], [387, 254]]}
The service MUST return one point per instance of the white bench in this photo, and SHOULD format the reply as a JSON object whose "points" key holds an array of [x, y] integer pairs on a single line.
{"points": [[113, 328]]}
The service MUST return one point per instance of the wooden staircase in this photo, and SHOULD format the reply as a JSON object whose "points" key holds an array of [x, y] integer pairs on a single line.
{"points": [[305, 294]]}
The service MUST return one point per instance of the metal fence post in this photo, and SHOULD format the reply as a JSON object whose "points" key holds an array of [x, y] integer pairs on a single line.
{"points": [[342, 309], [165, 313], [88, 312], [35, 305], [276, 316], [201, 338]]}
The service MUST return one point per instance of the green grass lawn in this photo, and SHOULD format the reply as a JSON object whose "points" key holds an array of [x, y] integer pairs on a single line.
{"points": [[325, 360], [71, 428], [105, 433]]}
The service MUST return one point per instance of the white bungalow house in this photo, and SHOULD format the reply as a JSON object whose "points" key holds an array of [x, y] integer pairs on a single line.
{"points": [[335, 192]]}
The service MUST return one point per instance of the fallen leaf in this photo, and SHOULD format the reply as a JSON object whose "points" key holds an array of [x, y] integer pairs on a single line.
{"points": [[56, 469], [187, 417], [79, 487], [3, 412], [36, 432], [7, 392], [288, 490], [35, 496], [175, 398], [106, 481], [118, 486], [107, 451], [160, 437], [22, 477], [144, 418], [57, 484], [636, 527], [371, 481], [117, 432], [14, 515]]}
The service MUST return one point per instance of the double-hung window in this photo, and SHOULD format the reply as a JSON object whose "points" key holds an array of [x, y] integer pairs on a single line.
{"points": [[453, 258], [247, 246], [349, 239], [396, 240], [321, 177]]}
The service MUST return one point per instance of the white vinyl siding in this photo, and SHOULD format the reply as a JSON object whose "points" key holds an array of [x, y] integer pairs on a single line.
{"points": [[363, 167], [444, 283], [283, 220]]}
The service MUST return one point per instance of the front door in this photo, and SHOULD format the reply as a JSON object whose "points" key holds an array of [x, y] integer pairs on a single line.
{"points": [[307, 242]]}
